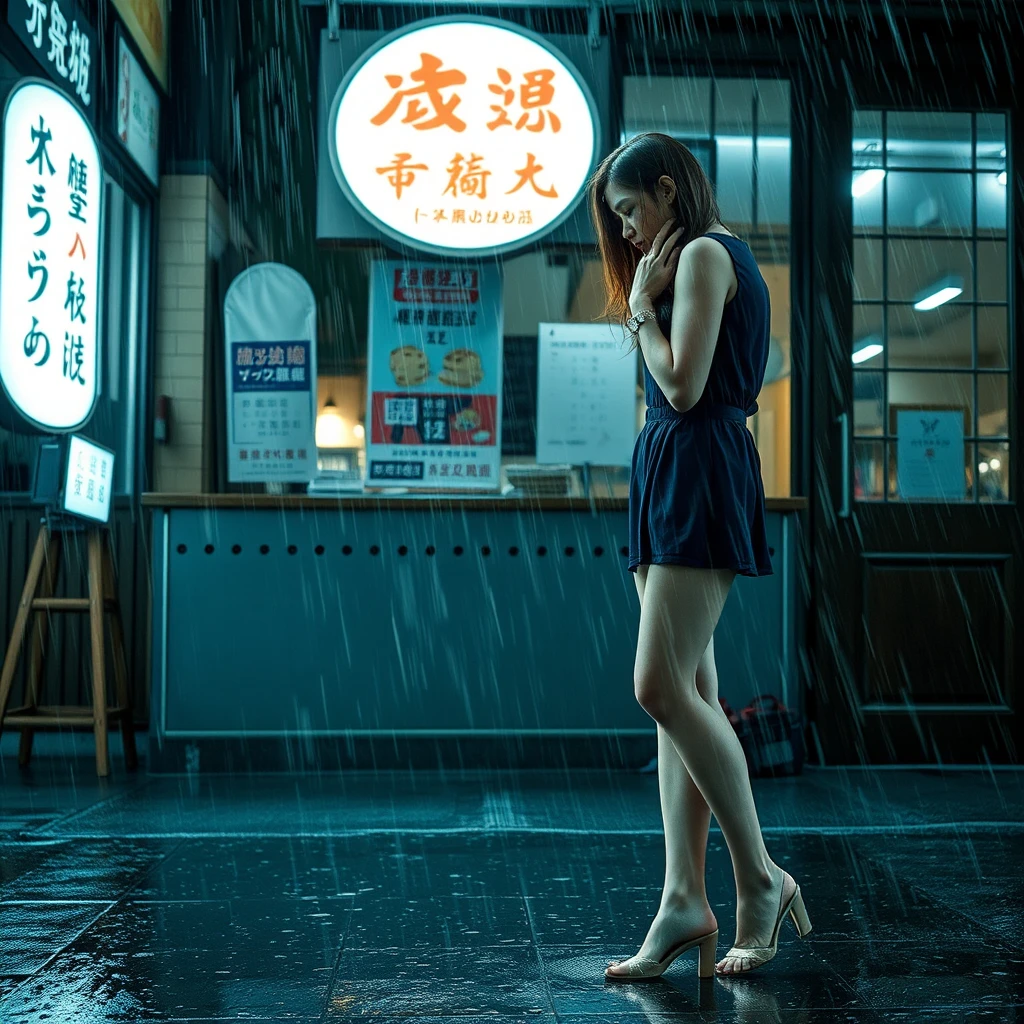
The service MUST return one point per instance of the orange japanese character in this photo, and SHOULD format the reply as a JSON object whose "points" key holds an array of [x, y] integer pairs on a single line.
{"points": [[536, 92], [434, 80], [506, 94], [529, 174], [470, 180], [401, 175]]}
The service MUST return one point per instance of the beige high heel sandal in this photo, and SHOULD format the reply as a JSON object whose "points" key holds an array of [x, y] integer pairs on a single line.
{"points": [[759, 955], [645, 968]]}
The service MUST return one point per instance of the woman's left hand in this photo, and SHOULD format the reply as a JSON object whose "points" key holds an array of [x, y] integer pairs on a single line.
{"points": [[656, 269]]}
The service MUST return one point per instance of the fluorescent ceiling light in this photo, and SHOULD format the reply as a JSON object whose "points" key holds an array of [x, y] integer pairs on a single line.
{"points": [[776, 141], [940, 292], [869, 347], [1001, 177], [864, 182]]}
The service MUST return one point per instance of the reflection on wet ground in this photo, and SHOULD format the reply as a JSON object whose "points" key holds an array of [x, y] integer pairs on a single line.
{"points": [[498, 896]]}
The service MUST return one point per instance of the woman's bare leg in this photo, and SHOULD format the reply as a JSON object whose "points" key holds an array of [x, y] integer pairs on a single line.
{"points": [[677, 621], [684, 910]]}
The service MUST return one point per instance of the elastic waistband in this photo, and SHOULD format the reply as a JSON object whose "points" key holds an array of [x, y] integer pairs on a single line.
{"points": [[706, 411]]}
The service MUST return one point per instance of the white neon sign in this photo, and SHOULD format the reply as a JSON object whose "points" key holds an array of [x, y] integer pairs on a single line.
{"points": [[463, 136]]}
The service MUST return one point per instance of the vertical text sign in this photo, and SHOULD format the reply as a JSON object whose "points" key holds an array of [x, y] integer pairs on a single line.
{"points": [[49, 258], [138, 113]]}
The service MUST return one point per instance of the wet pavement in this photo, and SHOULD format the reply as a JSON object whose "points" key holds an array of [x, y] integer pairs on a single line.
{"points": [[490, 895]]}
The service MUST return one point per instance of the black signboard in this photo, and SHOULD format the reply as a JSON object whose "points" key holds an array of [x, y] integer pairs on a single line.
{"points": [[63, 42]]}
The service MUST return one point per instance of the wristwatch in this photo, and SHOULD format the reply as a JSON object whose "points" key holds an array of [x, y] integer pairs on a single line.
{"points": [[634, 322]]}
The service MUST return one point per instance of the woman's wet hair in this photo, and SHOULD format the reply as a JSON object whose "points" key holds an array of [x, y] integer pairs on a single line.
{"points": [[636, 166]]}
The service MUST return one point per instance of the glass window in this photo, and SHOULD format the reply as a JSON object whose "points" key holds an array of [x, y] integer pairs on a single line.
{"points": [[930, 316], [739, 128]]}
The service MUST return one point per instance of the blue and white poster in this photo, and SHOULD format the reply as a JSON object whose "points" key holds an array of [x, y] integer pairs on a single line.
{"points": [[435, 376], [270, 373], [930, 454]]}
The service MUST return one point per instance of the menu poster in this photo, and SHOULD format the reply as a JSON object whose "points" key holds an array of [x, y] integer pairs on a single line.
{"points": [[586, 395], [434, 379]]}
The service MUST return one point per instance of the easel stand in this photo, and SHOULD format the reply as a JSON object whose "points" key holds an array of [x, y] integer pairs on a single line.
{"points": [[37, 596]]}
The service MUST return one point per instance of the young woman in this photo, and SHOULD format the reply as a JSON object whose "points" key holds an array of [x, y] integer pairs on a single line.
{"points": [[691, 294]]}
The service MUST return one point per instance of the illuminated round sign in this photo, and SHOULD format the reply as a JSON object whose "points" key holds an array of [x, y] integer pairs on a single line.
{"points": [[464, 136], [49, 259]]}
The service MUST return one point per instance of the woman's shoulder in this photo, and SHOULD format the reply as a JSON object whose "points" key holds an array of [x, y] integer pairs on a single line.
{"points": [[713, 243], [707, 255]]}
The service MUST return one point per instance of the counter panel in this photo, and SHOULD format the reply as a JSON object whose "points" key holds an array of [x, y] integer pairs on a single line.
{"points": [[309, 622]]}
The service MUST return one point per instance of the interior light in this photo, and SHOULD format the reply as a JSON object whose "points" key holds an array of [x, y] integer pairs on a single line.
{"points": [[330, 427], [358, 430], [982, 467], [867, 348], [994, 463], [942, 291], [864, 182], [1001, 177], [773, 141]]}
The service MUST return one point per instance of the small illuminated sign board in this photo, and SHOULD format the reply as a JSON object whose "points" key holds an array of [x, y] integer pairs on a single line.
{"points": [[49, 261], [88, 480], [75, 476], [463, 136]]}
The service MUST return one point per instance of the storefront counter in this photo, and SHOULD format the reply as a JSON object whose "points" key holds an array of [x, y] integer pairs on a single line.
{"points": [[295, 632]]}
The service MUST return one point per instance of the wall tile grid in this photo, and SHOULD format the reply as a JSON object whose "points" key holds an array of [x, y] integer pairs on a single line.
{"points": [[193, 216]]}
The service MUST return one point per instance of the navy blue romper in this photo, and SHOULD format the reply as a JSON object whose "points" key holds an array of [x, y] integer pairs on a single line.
{"points": [[695, 491]]}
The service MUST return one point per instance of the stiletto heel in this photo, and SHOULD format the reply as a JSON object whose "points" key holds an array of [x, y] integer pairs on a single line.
{"points": [[706, 963], [645, 968], [798, 912]]}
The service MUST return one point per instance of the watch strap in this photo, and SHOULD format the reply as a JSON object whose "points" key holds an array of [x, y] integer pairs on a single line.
{"points": [[641, 316]]}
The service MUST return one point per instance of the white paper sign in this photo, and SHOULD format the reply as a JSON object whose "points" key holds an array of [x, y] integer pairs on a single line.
{"points": [[930, 454], [586, 395], [89, 480], [270, 375], [138, 113], [49, 258]]}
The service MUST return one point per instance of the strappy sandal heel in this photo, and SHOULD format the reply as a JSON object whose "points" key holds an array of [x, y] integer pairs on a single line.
{"points": [[759, 955], [645, 968]]}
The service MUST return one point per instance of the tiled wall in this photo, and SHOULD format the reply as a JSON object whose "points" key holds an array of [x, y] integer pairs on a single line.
{"points": [[193, 231], [180, 328]]}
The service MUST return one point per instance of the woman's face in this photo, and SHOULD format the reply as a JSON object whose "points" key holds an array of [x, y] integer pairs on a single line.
{"points": [[642, 215]]}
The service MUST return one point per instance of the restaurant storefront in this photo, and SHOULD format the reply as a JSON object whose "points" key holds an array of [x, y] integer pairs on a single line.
{"points": [[447, 584]]}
